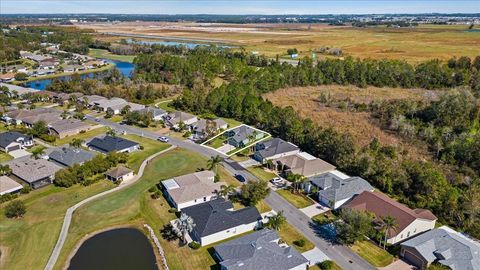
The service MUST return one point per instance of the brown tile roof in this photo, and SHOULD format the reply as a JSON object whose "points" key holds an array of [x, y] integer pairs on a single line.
{"points": [[382, 205]]}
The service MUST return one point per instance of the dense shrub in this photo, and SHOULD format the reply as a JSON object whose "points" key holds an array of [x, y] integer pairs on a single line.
{"points": [[15, 209]]}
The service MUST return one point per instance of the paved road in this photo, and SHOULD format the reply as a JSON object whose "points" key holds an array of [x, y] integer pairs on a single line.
{"points": [[343, 256], [68, 216]]}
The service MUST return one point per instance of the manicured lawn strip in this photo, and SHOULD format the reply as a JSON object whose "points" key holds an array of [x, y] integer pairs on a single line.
{"points": [[83, 136], [217, 142], [289, 234], [5, 157], [116, 118], [133, 205], [166, 106], [232, 122], [150, 147], [36, 233], [226, 177], [372, 253], [260, 173], [239, 158], [324, 218], [297, 200], [99, 53]]}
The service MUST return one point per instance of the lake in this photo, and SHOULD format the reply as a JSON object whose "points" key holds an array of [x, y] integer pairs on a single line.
{"points": [[189, 45], [125, 68], [119, 249]]}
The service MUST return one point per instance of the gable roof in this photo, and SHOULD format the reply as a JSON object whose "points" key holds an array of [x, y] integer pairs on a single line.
{"points": [[8, 137], [192, 186], [66, 125], [336, 189], [305, 164], [31, 170], [70, 156], [258, 251], [239, 134], [447, 246], [110, 143], [8, 185], [178, 116], [382, 205], [274, 147], [118, 171], [155, 111], [217, 215]]}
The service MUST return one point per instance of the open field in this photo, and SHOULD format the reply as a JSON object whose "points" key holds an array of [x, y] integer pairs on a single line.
{"points": [[372, 253], [104, 54], [360, 125], [410, 44]]}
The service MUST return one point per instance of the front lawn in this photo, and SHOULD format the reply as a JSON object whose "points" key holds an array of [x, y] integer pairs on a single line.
{"points": [[298, 200], [116, 118], [324, 218], [372, 253], [105, 54], [260, 173], [83, 136], [289, 234], [150, 147], [5, 157], [217, 142]]}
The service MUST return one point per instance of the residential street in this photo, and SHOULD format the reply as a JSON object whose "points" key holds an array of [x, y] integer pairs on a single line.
{"points": [[343, 256]]}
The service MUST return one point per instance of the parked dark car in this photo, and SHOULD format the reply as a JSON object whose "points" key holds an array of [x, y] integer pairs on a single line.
{"points": [[241, 178]]}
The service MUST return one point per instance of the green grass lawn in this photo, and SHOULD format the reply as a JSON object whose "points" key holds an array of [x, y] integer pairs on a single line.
{"points": [[372, 253], [289, 234], [217, 142], [297, 200], [324, 218], [5, 157], [260, 173], [116, 118], [150, 147], [232, 122], [316, 267], [83, 136], [99, 53], [34, 235], [166, 106]]}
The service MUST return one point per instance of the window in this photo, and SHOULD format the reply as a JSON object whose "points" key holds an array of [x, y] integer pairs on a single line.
{"points": [[408, 234], [204, 199], [401, 236], [195, 200]]}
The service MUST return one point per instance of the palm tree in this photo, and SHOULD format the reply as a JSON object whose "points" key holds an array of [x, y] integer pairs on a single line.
{"points": [[5, 170], [213, 162], [296, 180], [269, 164], [183, 225], [76, 143], [226, 190], [38, 151], [277, 221], [389, 223]]}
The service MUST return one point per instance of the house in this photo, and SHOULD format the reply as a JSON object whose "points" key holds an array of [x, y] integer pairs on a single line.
{"points": [[8, 185], [35, 172], [216, 220], [135, 106], [445, 246], [302, 163], [70, 156], [274, 148], [242, 135], [157, 114], [261, 250], [47, 117], [91, 100], [67, 127], [12, 140], [410, 222], [113, 144], [191, 189], [175, 118], [204, 128], [114, 104], [119, 173], [19, 90], [334, 190], [7, 77]]}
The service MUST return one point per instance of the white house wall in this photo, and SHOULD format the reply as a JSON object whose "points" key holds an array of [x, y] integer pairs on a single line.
{"points": [[286, 154], [207, 240], [416, 227], [182, 205]]}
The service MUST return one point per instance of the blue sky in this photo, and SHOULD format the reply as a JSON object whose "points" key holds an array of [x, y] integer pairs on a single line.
{"points": [[238, 7]]}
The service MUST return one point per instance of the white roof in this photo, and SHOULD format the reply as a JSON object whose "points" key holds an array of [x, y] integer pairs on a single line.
{"points": [[170, 184], [340, 174], [306, 156]]}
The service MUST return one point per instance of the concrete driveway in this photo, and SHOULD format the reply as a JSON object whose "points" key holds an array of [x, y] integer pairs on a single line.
{"points": [[315, 209], [399, 265], [19, 153], [315, 256], [249, 163], [225, 148]]}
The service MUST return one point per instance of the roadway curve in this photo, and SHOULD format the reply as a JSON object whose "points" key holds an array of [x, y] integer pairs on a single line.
{"points": [[68, 216]]}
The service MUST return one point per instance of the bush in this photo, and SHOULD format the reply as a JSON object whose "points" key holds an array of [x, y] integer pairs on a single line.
{"points": [[326, 265], [15, 209], [141, 147], [157, 194], [194, 245], [47, 138], [299, 243], [172, 210], [153, 189], [7, 197], [25, 190]]}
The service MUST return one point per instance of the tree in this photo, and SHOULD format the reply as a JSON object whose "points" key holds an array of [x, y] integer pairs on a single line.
{"points": [[183, 225], [15, 209], [76, 142], [353, 226], [253, 192], [38, 151], [326, 265], [277, 221], [39, 128], [5, 169], [226, 191], [20, 76], [213, 162], [389, 223], [111, 132], [297, 180], [125, 110]]}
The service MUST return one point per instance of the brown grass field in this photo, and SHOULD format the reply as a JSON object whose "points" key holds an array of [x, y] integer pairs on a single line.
{"points": [[411, 44]]}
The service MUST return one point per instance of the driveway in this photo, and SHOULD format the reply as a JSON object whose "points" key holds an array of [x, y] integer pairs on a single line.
{"points": [[19, 153], [315, 209], [399, 265], [315, 256], [249, 163], [226, 148]]}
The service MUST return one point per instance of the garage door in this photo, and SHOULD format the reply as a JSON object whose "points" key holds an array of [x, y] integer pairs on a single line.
{"points": [[13, 148], [413, 259]]}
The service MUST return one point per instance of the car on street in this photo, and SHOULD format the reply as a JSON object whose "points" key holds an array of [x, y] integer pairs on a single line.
{"points": [[97, 120], [241, 178], [163, 139]]}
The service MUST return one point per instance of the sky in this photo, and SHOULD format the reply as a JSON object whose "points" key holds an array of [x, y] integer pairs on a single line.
{"points": [[240, 7]]}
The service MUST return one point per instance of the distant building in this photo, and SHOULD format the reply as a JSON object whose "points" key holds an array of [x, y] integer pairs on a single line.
{"points": [[174, 119], [157, 114], [68, 127], [243, 135], [302, 163]]}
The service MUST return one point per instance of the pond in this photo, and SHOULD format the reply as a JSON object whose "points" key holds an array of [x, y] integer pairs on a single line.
{"points": [[125, 68], [119, 249], [189, 45]]}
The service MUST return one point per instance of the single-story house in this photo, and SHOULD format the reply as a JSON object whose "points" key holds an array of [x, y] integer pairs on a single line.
{"points": [[157, 114], [216, 221], [410, 222], [135, 106], [302, 163], [191, 189], [445, 246], [261, 250], [68, 156], [243, 135], [8, 185], [274, 148], [114, 104], [204, 127], [91, 100], [335, 191], [20, 90], [110, 143], [12, 140], [175, 118], [67, 127], [7, 77], [119, 173], [35, 172]]}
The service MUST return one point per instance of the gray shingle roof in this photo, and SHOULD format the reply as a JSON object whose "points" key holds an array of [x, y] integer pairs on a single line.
{"points": [[155, 112], [70, 156], [109, 144], [241, 133], [258, 251], [7, 138], [216, 216], [31, 170], [336, 189], [274, 147], [449, 247]]}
